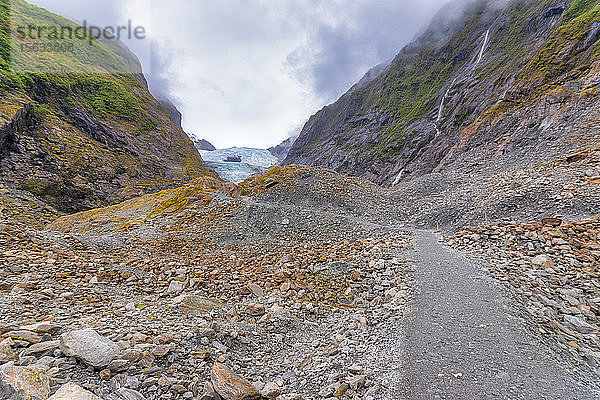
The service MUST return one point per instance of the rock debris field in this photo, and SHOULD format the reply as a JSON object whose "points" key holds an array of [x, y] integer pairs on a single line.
{"points": [[307, 290]]}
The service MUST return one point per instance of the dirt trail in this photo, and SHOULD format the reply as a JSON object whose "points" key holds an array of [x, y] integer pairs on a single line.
{"points": [[463, 340]]}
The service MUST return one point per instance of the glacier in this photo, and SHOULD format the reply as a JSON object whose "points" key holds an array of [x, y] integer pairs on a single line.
{"points": [[253, 162]]}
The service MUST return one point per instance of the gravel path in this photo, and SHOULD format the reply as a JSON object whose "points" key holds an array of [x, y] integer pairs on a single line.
{"points": [[463, 340]]}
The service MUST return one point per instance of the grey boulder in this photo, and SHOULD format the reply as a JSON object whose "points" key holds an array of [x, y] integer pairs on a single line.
{"points": [[88, 346]]}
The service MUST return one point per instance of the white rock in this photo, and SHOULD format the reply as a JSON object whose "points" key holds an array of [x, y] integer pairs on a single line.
{"points": [[71, 391], [91, 348], [271, 391], [579, 324], [176, 287], [542, 261], [256, 290]]}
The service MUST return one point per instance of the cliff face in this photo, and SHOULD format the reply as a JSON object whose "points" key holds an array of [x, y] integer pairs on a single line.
{"points": [[83, 139], [488, 86]]}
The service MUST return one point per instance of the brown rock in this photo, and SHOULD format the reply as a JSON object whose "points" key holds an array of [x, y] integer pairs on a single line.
{"points": [[161, 350], [23, 383], [6, 351], [255, 309], [230, 385], [199, 305], [105, 374], [553, 222], [24, 335]]}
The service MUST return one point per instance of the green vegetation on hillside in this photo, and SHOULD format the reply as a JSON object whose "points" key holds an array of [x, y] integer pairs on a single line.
{"points": [[94, 75]]}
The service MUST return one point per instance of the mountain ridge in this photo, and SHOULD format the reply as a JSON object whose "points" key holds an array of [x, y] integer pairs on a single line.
{"points": [[82, 139], [439, 98]]}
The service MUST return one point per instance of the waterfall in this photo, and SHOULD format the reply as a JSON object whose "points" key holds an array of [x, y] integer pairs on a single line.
{"points": [[485, 42], [441, 110], [446, 95], [398, 178]]}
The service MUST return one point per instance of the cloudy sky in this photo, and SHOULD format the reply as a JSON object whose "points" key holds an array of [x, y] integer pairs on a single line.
{"points": [[250, 72]]}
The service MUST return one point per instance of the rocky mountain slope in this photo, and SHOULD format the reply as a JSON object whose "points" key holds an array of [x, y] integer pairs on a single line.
{"points": [[90, 137], [489, 86]]}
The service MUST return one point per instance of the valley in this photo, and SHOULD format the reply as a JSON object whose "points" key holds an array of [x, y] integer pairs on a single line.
{"points": [[434, 233]]}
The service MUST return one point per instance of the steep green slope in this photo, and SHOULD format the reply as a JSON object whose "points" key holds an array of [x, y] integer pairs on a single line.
{"points": [[80, 128], [484, 89]]}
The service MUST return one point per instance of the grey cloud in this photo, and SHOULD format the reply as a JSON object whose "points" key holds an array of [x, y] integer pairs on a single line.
{"points": [[335, 56], [247, 72]]}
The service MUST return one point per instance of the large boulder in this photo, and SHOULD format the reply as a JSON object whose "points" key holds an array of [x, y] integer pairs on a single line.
{"points": [[88, 346], [230, 385], [23, 383], [71, 391]]}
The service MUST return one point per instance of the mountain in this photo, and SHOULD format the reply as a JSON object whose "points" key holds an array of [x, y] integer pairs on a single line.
{"points": [[281, 150], [80, 128], [202, 144], [488, 86], [174, 113]]}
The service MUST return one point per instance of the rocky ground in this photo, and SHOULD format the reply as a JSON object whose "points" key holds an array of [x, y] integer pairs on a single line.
{"points": [[297, 289], [552, 268], [299, 312]]}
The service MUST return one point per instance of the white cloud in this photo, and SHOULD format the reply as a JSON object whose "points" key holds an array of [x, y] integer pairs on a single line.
{"points": [[247, 72]]}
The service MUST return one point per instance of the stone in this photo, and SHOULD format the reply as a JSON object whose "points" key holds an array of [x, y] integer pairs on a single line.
{"points": [[271, 391], [179, 389], [129, 382], [125, 394], [199, 305], [24, 335], [230, 385], [88, 346], [41, 327], [161, 350], [6, 351], [105, 374], [256, 290], [25, 383], [255, 309], [542, 261], [132, 355], [210, 396], [579, 324], [118, 365], [42, 347], [341, 390], [139, 337], [176, 287], [71, 391], [285, 287], [356, 369], [553, 222]]}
